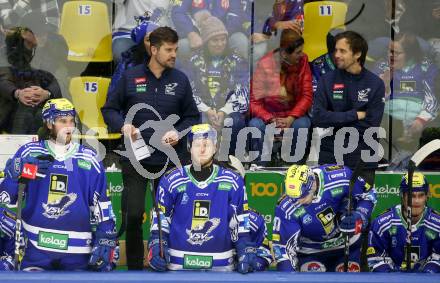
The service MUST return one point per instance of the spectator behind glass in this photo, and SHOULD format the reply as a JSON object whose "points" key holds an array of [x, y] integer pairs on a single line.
{"points": [[326, 62], [282, 90], [12, 11], [125, 20], [376, 21], [51, 53], [286, 14], [432, 32], [220, 79], [411, 101], [23, 90], [228, 11], [137, 54]]}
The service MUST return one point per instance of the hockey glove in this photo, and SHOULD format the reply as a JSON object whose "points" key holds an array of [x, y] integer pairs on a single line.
{"points": [[6, 263], [7, 222], [14, 167], [105, 252], [247, 256], [157, 262], [431, 267], [353, 223]]}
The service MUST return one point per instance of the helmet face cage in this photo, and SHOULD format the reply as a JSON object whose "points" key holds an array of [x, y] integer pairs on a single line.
{"points": [[56, 108], [299, 181], [420, 184], [201, 131]]}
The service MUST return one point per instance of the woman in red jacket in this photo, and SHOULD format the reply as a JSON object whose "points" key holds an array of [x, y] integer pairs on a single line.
{"points": [[282, 94]]}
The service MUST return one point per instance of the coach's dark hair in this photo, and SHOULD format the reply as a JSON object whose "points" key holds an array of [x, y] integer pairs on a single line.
{"points": [[161, 35], [357, 43]]}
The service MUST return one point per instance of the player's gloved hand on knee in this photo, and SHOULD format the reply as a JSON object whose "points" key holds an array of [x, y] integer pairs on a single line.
{"points": [[431, 267], [157, 262], [14, 166], [352, 223], [7, 222], [247, 256], [6, 263], [104, 252], [260, 264]]}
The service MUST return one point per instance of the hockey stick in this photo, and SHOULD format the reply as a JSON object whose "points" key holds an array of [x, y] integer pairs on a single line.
{"points": [[123, 226], [354, 176], [415, 161], [156, 210], [18, 223]]}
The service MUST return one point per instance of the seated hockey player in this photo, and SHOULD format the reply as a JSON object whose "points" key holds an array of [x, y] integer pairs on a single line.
{"points": [[204, 214], [7, 239], [311, 219], [62, 206], [257, 229], [387, 238]]}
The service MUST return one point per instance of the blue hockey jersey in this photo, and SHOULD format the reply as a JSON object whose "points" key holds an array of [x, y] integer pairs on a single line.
{"points": [[414, 91], [202, 220], [300, 230], [62, 207], [387, 242]]}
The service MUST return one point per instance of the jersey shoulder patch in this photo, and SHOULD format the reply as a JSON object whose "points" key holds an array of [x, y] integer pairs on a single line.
{"points": [[173, 173], [434, 216], [87, 151], [384, 217], [435, 212]]}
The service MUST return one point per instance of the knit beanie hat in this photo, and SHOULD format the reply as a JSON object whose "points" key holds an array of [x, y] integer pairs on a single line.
{"points": [[143, 28], [209, 26]]}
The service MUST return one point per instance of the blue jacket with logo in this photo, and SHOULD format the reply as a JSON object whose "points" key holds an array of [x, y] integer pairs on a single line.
{"points": [[337, 99], [170, 94], [387, 242], [302, 230], [62, 207], [203, 221]]}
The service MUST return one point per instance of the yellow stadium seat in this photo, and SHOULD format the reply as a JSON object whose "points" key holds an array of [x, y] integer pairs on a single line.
{"points": [[89, 95], [319, 18], [86, 27]]}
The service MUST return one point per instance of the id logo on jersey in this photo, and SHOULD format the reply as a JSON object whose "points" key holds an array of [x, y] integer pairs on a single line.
{"points": [[326, 217], [415, 256], [201, 210], [57, 186]]}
